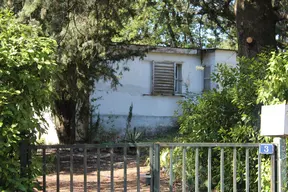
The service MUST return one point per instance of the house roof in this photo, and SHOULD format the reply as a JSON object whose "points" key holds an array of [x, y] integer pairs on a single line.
{"points": [[173, 50], [215, 49]]}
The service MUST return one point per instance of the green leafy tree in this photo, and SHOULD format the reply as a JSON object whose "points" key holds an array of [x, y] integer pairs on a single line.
{"points": [[87, 52], [274, 87], [27, 68], [233, 105], [175, 24], [231, 114], [209, 23]]}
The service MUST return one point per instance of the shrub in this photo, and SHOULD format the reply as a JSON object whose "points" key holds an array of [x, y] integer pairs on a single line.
{"points": [[26, 70], [231, 114]]}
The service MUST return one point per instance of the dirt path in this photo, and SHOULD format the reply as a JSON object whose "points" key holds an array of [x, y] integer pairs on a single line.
{"points": [[105, 180], [78, 184]]}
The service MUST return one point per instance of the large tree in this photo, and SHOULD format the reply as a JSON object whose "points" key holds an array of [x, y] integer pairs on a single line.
{"points": [[85, 32], [183, 24], [256, 26], [252, 24]]}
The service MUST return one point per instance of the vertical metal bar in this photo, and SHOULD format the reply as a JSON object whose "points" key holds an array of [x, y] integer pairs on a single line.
{"points": [[29, 160], [44, 169], [153, 77], [156, 172], [125, 168], [281, 157], [273, 174], [98, 169], [197, 170], [184, 170], [247, 170], [151, 157], [234, 170], [138, 168], [23, 158], [175, 78], [71, 169], [209, 170], [171, 171], [259, 172], [112, 168], [85, 168], [58, 170], [222, 170]]}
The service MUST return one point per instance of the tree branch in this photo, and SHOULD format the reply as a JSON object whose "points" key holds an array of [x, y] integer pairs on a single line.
{"points": [[281, 16]]}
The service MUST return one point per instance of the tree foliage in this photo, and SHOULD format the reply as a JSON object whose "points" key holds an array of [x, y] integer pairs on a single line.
{"points": [[210, 23], [84, 31], [186, 24], [231, 114], [26, 71], [232, 109]]}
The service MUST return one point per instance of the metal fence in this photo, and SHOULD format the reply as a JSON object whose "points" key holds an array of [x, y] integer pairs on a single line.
{"points": [[249, 151], [204, 160]]}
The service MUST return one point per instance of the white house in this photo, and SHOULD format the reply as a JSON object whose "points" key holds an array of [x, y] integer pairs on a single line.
{"points": [[155, 84]]}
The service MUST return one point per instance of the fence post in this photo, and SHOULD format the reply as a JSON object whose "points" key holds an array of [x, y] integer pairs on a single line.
{"points": [[23, 158], [151, 157], [156, 168], [281, 164]]}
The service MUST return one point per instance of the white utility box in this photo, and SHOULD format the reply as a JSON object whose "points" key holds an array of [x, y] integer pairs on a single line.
{"points": [[274, 120]]}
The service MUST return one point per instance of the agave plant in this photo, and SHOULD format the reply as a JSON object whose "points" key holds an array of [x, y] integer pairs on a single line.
{"points": [[133, 136]]}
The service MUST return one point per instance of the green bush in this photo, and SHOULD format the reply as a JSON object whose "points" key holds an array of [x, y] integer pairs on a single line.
{"points": [[231, 114], [27, 67]]}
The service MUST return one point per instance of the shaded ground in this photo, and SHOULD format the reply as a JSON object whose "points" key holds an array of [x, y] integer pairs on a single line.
{"points": [[105, 179]]}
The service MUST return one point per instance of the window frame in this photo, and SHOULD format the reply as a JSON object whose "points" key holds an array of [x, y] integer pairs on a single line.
{"points": [[207, 78], [177, 78]]}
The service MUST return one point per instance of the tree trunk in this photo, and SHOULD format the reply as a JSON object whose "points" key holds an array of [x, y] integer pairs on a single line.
{"points": [[255, 22], [83, 119], [65, 111]]}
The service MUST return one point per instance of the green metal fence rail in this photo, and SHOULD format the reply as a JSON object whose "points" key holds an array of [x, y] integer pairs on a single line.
{"points": [[234, 146], [155, 169]]}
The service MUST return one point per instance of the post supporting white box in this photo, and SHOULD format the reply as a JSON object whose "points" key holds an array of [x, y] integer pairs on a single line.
{"points": [[274, 120], [281, 164]]}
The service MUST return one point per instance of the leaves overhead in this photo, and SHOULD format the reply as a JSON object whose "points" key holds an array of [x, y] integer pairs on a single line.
{"points": [[195, 23], [186, 24]]}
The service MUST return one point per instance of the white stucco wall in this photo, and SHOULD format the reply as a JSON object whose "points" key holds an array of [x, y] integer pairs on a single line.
{"points": [[208, 58], [226, 57], [213, 57], [149, 111], [50, 137]]}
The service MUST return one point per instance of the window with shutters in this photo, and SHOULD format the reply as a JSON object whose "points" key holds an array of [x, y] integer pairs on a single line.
{"points": [[207, 78], [167, 78]]}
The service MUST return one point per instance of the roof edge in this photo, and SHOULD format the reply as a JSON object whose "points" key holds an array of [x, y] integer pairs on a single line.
{"points": [[174, 50]]}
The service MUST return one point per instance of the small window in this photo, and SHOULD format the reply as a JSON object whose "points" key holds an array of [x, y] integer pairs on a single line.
{"points": [[178, 79], [207, 78], [167, 78]]}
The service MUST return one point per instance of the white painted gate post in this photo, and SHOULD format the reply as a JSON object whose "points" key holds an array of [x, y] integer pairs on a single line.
{"points": [[274, 123], [281, 164]]}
